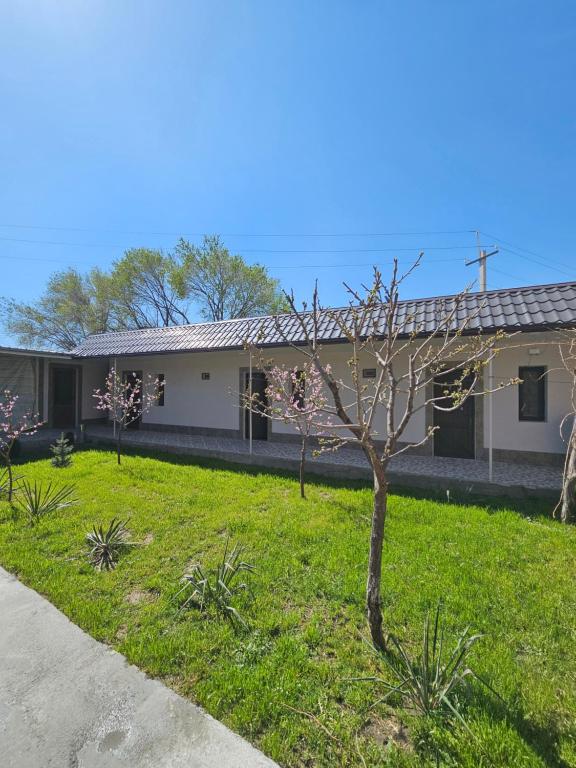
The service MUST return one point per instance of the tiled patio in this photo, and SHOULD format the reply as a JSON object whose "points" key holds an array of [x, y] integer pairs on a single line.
{"points": [[422, 471]]}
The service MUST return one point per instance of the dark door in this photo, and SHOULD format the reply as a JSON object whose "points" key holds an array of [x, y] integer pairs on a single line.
{"points": [[134, 381], [63, 397], [259, 420], [455, 434]]}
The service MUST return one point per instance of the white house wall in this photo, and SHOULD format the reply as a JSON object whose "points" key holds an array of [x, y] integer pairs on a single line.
{"points": [[511, 434], [93, 377], [213, 404]]}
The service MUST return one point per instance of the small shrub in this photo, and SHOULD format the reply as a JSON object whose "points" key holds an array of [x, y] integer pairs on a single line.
{"points": [[429, 684], [217, 587], [36, 500], [61, 452], [107, 545]]}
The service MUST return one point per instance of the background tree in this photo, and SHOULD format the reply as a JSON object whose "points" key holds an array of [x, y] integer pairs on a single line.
{"points": [[406, 369], [72, 307], [142, 294], [223, 285], [125, 400], [145, 288], [13, 426]]}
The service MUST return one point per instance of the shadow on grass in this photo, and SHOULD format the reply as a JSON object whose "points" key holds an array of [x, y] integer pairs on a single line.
{"points": [[543, 739], [529, 506]]}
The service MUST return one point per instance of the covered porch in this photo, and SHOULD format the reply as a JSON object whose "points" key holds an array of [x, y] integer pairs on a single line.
{"points": [[440, 473]]}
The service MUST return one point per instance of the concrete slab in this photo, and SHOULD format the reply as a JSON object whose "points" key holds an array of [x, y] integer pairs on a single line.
{"points": [[67, 701]]}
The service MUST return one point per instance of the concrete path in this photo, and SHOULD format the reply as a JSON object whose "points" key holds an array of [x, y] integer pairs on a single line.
{"points": [[67, 701]]}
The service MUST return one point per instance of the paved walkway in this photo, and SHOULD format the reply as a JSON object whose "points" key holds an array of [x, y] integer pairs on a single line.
{"points": [[67, 701], [422, 471]]}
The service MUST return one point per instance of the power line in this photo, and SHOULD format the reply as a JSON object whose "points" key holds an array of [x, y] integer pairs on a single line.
{"points": [[272, 267], [399, 233], [544, 260], [539, 263], [256, 250]]}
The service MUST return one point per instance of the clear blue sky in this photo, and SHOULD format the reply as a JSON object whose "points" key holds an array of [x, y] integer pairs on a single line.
{"points": [[129, 123]]}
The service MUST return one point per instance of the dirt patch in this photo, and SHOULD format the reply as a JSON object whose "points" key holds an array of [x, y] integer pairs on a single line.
{"points": [[389, 730], [121, 632], [148, 539], [137, 596]]}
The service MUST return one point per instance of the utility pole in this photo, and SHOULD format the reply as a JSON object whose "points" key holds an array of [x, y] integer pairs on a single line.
{"points": [[481, 261]]}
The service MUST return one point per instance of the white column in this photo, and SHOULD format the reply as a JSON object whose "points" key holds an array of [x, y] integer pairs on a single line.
{"points": [[490, 419], [250, 396]]}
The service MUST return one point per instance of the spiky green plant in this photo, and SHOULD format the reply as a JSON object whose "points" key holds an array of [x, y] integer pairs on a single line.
{"points": [[4, 480], [429, 684], [36, 499], [106, 545], [61, 452], [217, 587]]}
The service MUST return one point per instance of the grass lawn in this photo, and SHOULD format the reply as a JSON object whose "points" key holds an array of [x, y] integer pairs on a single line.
{"points": [[285, 685]]}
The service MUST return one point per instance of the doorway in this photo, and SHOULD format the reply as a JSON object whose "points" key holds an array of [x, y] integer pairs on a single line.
{"points": [[133, 380], [455, 436], [259, 420], [63, 400]]}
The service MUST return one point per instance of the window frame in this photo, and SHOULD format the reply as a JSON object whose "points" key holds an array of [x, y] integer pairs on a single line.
{"points": [[542, 393], [299, 392], [160, 398]]}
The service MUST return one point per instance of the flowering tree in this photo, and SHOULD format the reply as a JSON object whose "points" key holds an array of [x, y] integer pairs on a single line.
{"points": [[11, 428], [297, 396], [125, 399], [411, 352], [567, 504]]}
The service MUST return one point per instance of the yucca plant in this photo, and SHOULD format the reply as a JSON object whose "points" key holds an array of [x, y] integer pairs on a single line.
{"points": [[216, 588], [37, 500], [106, 545], [3, 484], [429, 684]]}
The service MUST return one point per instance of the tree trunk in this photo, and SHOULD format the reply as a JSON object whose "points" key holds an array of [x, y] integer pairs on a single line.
{"points": [[118, 443], [568, 499], [302, 463], [373, 596]]}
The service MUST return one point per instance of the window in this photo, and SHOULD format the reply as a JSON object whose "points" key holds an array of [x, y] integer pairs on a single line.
{"points": [[368, 373], [160, 386], [532, 393], [298, 388]]}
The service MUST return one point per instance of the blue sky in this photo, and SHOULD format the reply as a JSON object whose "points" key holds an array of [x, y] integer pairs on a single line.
{"points": [[336, 123]]}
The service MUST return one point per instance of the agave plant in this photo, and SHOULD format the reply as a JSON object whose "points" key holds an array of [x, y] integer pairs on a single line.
{"points": [[429, 683], [37, 500], [106, 545], [3, 484], [218, 586]]}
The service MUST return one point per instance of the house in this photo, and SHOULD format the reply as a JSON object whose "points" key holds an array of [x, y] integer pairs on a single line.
{"points": [[205, 366]]}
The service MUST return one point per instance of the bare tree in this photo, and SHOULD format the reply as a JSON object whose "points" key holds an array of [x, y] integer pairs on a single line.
{"points": [[410, 354]]}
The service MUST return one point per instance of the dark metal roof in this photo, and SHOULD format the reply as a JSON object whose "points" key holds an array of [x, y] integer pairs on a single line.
{"points": [[535, 307], [32, 352]]}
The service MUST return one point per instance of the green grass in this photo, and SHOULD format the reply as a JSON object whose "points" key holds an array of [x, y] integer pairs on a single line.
{"points": [[504, 573]]}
